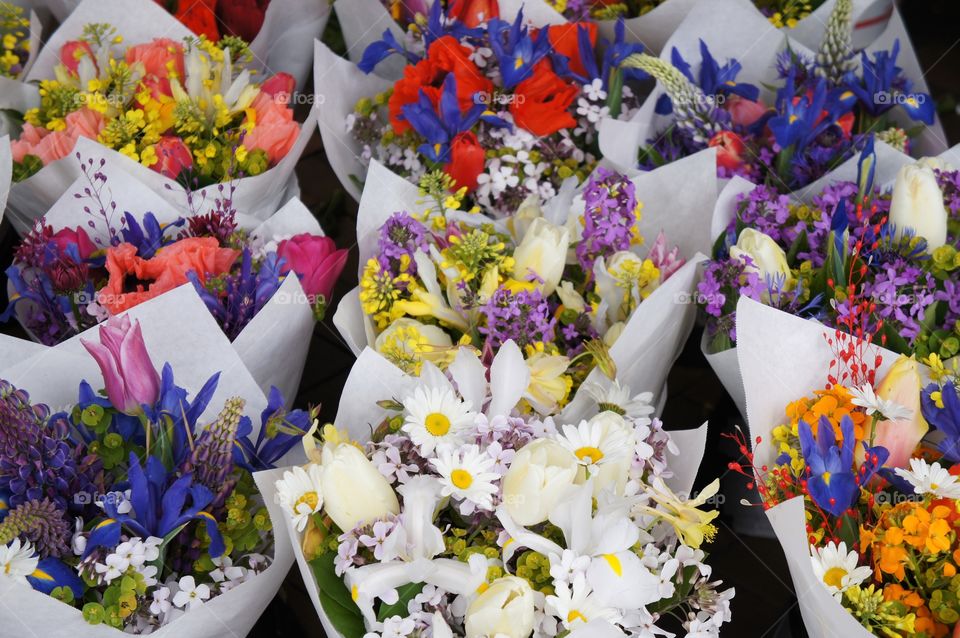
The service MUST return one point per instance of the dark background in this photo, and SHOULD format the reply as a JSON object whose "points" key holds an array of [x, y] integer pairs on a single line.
{"points": [[765, 605]]}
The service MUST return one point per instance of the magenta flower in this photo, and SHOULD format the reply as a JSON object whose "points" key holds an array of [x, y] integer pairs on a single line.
{"points": [[316, 261], [128, 373]]}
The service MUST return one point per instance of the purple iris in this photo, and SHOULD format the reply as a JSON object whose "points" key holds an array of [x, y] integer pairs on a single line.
{"points": [[945, 419]]}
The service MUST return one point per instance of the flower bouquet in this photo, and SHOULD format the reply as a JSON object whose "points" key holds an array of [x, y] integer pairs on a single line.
{"points": [[505, 110], [584, 288], [854, 456], [178, 112], [460, 516], [890, 249], [85, 262], [813, 113], [137, 508]]}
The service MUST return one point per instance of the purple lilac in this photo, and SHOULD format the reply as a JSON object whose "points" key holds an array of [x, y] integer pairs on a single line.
{"points": [[767, 211], [949, 182], [902, 293], [401, 235], [523, 317], [609, 217]]}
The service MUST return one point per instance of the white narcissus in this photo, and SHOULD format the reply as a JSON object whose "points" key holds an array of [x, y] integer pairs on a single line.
{"points": [[505, 608], [542, 255], [769, 261], [539, 476], [917, 203], [354, 491]]}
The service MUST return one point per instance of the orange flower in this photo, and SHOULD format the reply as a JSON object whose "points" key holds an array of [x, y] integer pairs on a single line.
{"points": [[895, 592], [892, 560], [164, 271], [924, 530], [160, 58], [274, 129], [565, 40], [834, 404]]}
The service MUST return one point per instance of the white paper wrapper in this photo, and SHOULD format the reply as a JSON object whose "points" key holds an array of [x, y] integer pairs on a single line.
{"points": [[363, 23], [889, 161], [373, 378], [725, 25], [655, 333], [784, 358], [274, 345], [196, 348], [6, 173], [15, 93], [139, 21]]}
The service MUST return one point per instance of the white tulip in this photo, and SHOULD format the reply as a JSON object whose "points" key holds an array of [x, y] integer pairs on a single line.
{"points": [[540, 474], [917, 203], [505, 608], [769, 260], [542, 252], [570, 298], [354, 491]]}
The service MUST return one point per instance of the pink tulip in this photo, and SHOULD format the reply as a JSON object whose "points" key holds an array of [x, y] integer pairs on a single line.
{"points": [[316, 261], [128, 373], [281, 84], [744, 112], [275, 131], [72, 52], [78, 237], [901, 437], [173, 157]]}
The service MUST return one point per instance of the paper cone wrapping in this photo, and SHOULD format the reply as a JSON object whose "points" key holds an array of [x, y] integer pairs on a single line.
{"points": [[784, 358], [373, 378], [139, 21], [725, 25], [363, 23], [15, 93], [274, 345], [196, 348], [6, 173], [655, 333], [726, 364]]}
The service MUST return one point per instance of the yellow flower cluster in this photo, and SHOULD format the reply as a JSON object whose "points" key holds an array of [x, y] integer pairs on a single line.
{"points": [[14, 42]]}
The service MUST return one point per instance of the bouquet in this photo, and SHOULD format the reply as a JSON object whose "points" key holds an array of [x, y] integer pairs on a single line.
{"points": [[15, 44], [136, 506], [85, 262], [182, 111], [854, 252], [850, 465], [505, 111], [459, 516], [570, 288]]}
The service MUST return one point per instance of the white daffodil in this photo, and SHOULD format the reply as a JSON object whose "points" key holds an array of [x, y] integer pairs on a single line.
{"points": [[17, 561], [930, 479], [865, 397], [837, 569], [467, 474], [299, 492], [434, 417]]}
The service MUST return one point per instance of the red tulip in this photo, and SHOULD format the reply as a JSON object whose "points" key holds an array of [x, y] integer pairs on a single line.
{"points": [[729, 149], [473, 13], [467, 159], [173, 157], [196, 15], [565, 40], [282, 84], [72, 52], [316, 260], [242, 18]]}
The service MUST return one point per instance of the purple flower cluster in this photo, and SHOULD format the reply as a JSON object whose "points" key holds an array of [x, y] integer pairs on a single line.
{"points": [[609, 218], [902, 292], [523, 317], [723, 283], [949, 182], [401, 235], [766, 210]]}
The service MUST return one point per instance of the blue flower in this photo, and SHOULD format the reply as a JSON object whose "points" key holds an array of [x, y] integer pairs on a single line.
{"points": [[800, 120], [177, 414], [517, 53], [51, 573], [946, 418], [380, 50], [830, 478], [714, 79], [150, 237], [883, 86], [279, 432]]}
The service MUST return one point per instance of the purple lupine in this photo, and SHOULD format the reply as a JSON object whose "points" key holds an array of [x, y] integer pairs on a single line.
{"points": [[401, 235], [609, 218], [43, 523], [524, 317], [212, 458]]}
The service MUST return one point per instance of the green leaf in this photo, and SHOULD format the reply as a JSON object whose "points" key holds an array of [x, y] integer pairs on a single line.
{"points": [[800, 243], [895, 342], [344, 614], [719, 245], [849, 530], [407, 593]]}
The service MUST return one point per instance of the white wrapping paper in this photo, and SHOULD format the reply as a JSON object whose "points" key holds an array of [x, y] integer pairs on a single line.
{"points": [[363, 23], [735, 29], [373, 378], [889, 160], [6, 173], [657, 330], [139, 21], [196, 348], [274, 344], [784, 358]]}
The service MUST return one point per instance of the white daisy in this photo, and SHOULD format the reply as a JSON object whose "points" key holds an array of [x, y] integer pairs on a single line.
{"points": [[617, 398], [299, 493], [467, 474], [436, 416], [593, 444], [837, 569], [865, 397], [17, 561], [930, 479]]}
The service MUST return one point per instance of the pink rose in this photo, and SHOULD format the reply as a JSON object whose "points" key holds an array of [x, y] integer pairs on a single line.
{"points": [[72, 52], [85, 123], [275, 131], [173, 157], [282, 84], [315, 259], [743, 111], [156, 57], [76, 236]]}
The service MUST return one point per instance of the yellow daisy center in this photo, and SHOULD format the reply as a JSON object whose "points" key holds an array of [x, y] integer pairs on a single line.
{"points": [[310, 498], [461, 478], [834, 577], [589, 452], [437, 424]]}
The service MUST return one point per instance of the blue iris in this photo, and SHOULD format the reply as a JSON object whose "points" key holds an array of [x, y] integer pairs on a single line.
{"points": [[883, 86], [150, 237], [51, 573], [714, 78], [945, 419], [517, 53], [800, 120], [279, 432], [177, 414]]}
